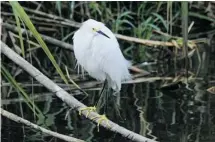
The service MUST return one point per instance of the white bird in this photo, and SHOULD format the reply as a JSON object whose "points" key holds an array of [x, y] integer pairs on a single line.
{"points": [[97, 51]]}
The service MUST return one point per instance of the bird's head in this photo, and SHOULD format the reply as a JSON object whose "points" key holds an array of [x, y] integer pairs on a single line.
{"points": [[93, 27]]}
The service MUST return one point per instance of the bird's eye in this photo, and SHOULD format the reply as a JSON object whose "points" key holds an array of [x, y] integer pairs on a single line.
{"points": [[93, 29]]}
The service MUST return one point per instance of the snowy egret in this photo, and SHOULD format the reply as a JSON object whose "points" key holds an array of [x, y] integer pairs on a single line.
{"points": [[97, 51]]}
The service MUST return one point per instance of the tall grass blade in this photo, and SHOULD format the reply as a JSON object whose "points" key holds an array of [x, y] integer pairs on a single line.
{"points": [[20, 33], [200, 16], [184, 10], [20, 11], [21, 91], [161, 19]]}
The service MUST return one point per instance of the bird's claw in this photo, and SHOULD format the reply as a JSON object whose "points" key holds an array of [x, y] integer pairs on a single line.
{"points": [[100, 119], [88, 109]]}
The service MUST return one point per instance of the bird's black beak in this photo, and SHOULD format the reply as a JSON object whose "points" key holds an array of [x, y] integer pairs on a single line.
{"points": [[100, 32]]}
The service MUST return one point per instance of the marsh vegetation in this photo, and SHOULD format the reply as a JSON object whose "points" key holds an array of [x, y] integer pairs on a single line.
{"points": [[174, 42]]}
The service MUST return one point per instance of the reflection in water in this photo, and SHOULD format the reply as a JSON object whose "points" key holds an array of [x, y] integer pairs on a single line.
{"points": [[180, 112]]}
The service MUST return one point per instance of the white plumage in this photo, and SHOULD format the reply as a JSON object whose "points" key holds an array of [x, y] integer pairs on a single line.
{"points": [[97, 51]]}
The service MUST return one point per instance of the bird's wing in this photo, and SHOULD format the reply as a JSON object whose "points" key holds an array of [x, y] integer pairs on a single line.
{"points": [[108, 56], [83, 54]]}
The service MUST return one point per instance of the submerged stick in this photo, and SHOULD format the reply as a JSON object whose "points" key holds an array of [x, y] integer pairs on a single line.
{"points": [[18, 119], [67, 98]]}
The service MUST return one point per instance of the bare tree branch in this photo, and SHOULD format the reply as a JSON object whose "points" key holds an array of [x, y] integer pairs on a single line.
{"points": [[67, 98], [18, 119]]}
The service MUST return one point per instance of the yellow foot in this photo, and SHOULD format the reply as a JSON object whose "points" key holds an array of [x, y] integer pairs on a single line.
{"points": [[100, 119], [88, 109]]}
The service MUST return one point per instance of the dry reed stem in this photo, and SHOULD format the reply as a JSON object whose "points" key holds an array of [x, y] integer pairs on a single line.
{"points": [[68, 22]]}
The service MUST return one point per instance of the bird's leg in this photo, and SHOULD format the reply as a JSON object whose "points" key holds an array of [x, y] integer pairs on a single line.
{"points": [[103, 87], [93, 109], [117, 94], [101, 101], [100, 118], [106, 99]]}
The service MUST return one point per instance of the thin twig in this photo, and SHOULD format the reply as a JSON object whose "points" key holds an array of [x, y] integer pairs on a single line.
{"points": [[18, 119], [67, 98]]}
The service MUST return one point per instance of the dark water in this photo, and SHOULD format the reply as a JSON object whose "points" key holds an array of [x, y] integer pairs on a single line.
{"points": [[175, 112]]}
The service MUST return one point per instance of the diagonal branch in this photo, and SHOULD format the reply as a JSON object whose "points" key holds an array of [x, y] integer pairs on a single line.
{"points": [[18, 119], [66, 97]]}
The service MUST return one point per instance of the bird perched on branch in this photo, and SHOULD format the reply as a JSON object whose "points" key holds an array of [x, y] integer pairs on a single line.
{"points": [[97, 51]]}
